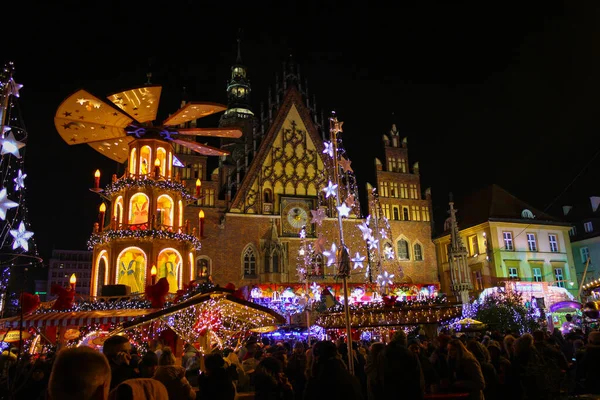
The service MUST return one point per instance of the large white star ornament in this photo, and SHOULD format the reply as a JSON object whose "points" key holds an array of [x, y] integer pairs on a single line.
{"points": [[385, 279], [366, 231], [21, 236], [5, 204], [382, 233], [318, 216], [389, 252], [358, 260], [20, 180], [373, 243], [10, 145], [345, 164], [14, 87], [328, 149], [330, 190], [344, 210], [331, 255]]}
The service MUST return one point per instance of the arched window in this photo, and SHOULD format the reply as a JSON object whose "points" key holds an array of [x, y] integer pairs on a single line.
{"points": [[118, 210], [138, 210], [418, 252], [249, 262], [164, 212], [145, 160], [180, 214], [405, 215], [161, 156], [133, 162], [268, 195], [403, 249], [396, 214], [203, 270], [131, 269], [272, 261], [169, 265]]}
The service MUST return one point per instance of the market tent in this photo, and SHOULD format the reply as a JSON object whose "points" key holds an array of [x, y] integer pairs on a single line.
{"points": [[74, 318], [466, 324], [216, 313]]}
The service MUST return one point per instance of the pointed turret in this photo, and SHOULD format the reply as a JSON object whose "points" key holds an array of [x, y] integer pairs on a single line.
{"points": [[238, 91], [457, 258]]}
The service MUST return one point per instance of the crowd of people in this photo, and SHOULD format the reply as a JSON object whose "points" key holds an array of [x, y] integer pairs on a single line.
{"points": [[488, 366]]}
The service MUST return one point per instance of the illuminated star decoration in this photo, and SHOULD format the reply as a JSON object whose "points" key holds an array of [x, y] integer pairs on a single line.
{"points": [[330, 190], [302, 232], [373, 243], [331, 255], [385, 279], [344, 210], [10, 145], [389, 252], [383, 234], [366, 231], [328, 149], [21, 236], [358, 261], [14, 87], [20, 180], [5, 204], [345, 164], [318, 216], [316, 291], [319, 244]]}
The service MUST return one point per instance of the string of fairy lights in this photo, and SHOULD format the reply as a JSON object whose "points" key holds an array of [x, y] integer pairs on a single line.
{"points": [[109, 235], [163, 185]]}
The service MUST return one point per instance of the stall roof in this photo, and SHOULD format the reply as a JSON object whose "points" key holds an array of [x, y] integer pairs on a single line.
{"points": [[75, 318]]}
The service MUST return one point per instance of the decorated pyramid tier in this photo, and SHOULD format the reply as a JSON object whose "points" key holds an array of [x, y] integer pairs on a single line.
{"points": [[141, 235]]}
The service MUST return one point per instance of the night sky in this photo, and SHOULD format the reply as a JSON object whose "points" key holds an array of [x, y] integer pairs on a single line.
{"points": [[484, 94]]}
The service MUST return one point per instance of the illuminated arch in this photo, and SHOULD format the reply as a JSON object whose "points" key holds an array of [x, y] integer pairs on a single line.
{"points": [[145, 160], [133, 162], [138, 209], [161, 155], [169, 266], [180, 214], [118, 210], [203, 268], [165, 205], [101, 275], [131, 269]]}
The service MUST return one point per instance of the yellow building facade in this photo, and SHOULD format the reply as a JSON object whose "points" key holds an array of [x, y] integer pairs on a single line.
{"points": [[508, 241]]}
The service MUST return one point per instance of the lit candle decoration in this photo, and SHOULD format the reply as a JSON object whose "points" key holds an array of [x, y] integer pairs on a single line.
{"points": [[73, 281], [101, 215], [198, 185], [153, 274], [156, 169], [97, 179], [201, 218]]}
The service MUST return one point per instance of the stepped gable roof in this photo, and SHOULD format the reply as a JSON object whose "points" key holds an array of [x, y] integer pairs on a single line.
{"points": [[493, 203]]}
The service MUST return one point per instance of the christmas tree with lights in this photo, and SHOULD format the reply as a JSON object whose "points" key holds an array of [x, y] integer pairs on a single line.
{"points": [[17, 246]]}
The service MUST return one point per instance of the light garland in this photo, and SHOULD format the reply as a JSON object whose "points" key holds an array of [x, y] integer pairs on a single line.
{"points": [[141, 234], [128, 183]]}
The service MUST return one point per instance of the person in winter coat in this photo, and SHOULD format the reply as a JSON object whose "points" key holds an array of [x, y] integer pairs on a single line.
{"points": [[467, 374], [173, 377]]}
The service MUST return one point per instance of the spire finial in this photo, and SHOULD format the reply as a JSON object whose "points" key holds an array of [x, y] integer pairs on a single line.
{"points": [[239, 47]]}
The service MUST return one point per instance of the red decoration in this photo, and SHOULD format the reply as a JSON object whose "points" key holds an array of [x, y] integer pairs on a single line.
{"points": [[230, 286], [64, 299], [157, 293], [208, 319], [389, 301], [29, 302]]}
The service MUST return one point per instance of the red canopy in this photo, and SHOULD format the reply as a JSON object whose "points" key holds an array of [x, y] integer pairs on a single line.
{"points": [[77, 318]]}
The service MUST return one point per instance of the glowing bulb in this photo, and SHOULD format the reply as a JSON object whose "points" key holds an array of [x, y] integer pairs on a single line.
{"points": [[201, 214], [97, 174], [73, 279], [153, 270], [102, 207], [157, 163]]}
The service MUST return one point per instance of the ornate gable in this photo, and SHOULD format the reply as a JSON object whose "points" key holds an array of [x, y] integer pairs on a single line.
{"points": [[289, 161]]}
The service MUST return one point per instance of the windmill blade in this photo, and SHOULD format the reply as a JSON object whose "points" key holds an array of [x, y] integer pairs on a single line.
{"points": [[192, 111], [140, 103], [83, 118], [212, 132], [116, 149], [201, 148]]}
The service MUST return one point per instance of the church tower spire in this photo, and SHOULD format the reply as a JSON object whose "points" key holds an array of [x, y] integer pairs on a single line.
{"points": [[238, 91]]}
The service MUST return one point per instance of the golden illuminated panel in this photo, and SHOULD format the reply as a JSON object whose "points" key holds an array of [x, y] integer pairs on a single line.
{"points": [[192, 111], [116, 149], [84, 118], [201, 148], [212, 132], [140, 103]]}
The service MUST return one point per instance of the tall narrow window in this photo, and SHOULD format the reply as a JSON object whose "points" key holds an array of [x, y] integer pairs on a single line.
{"points": [[402, 165], [588, 227], [531, 242], [537, 274], [385, 208], [405, 215], [403, 191], [553, 239], [394, 189], [416, 215], [559, 278], [249, 263], [384, 189], [585, 254], [478, 280], [508, 240], [425, 212], [396, 214], [418, 252], [572, 231], [392, 164], [473, 245], [413, 192], [403, 249]]}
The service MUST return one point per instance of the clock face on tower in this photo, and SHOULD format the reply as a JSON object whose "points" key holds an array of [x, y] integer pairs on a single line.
{"points": [[295, 213]]}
